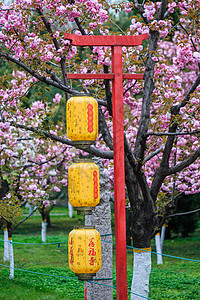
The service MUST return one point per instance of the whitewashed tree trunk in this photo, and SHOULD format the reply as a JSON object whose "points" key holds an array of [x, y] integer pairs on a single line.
{"points": [[101, 219], [30, 207], [11, 255], [6, 245], [162, 237], [44, 232], [158, 249], [71, 210], [141, 274]]}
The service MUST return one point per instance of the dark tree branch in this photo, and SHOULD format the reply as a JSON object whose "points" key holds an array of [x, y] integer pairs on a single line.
{"points": [[103, 128], [100, 153], [176, 108], [130, 87], [182, 214], [140, 8], [108, 91], [184, 164], [25, 218], [80, 27], [4, 219], [140, 144], [162, 10], [173, 133], [150, 156], [129, 154]]}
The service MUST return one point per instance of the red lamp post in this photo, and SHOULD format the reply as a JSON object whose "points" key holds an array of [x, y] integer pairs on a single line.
{"points": [[117, 76]]}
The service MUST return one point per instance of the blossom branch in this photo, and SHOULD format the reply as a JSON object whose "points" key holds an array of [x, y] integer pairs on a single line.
{"points": [[187, 33], [28, 90], [41, 78], [163, 170], [57, 46], [91, 150]]}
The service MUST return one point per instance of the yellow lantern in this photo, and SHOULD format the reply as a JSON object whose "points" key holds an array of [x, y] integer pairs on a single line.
{"points": [[82, 120], [83, 186], [84, 252]]}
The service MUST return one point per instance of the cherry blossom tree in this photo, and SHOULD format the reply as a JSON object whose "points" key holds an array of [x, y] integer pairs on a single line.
{"points": [[161, 112], [31, 170]]}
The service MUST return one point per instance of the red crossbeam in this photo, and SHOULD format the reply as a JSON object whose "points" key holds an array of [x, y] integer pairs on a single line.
{"points": [[103, 76], [102, 40]]}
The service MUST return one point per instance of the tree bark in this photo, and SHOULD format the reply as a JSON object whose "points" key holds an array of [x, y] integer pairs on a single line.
{"points": [[101, 219]]}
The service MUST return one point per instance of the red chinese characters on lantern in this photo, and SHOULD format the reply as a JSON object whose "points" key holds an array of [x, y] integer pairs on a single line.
{"points": [[71, 254], [90, 118], [95, 181], [92, 252], [92, 261]]}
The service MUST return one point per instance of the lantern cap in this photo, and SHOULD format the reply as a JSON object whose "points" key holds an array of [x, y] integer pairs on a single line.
{"points": [[84, 227], [85, 276], [83, 160], [84, 210], [83, 145], [82, 94]]}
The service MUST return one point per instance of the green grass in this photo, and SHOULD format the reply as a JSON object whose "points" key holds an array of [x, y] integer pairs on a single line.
{"points": [[175, 279]]}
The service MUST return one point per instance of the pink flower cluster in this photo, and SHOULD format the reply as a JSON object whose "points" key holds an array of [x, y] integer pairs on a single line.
{"points": [[149, 10]]}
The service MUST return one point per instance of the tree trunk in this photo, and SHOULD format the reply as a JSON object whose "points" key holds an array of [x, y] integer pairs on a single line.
{"points": [[6, 245], [162, 238], [141, 274], [71, 210], [142, 226], [48, 219], [11, 253], [158, 249], [44, 231], [101, 219]]}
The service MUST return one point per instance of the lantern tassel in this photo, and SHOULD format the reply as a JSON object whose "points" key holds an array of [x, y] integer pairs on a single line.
{"points": [[85, 291]]}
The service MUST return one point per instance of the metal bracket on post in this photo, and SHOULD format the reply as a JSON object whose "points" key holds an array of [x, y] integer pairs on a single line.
{"points": [[117, 76]]}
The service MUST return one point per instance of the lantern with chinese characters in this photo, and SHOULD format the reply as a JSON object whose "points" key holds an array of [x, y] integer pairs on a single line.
{"points": [[83, 186], [82, 120], [84, 252]]}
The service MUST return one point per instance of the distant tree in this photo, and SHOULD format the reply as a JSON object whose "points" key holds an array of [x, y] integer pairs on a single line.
{"points": [[187, 222]]}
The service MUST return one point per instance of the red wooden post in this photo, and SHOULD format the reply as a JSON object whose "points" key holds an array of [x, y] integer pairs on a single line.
{"points": [[117, 76], [119, 173]]}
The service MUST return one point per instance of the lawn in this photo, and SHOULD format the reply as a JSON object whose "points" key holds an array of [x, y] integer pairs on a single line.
{"points": [[175, 279]]}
